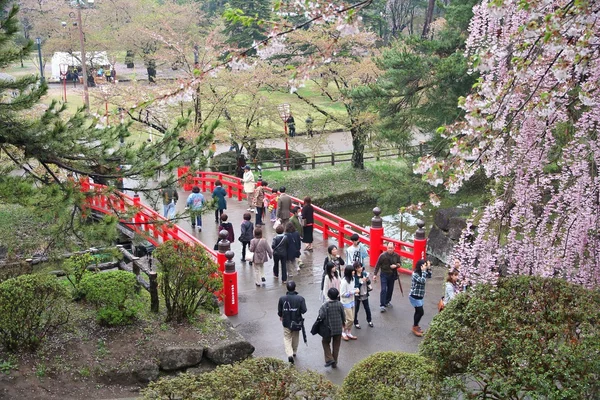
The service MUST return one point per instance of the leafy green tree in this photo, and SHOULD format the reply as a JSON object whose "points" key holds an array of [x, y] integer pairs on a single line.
{"points": [[525, 338], [422, 80], [244, 32]]}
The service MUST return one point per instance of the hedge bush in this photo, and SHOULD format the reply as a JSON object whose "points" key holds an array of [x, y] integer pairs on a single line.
{"points": [[188, 280], [227, 162], [526, 337], [392, 375], [75, 268], [252, 379], [114, 294], [31, 308]]}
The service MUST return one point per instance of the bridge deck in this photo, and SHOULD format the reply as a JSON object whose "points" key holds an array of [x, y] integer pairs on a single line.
{"points": [[258, 322]]}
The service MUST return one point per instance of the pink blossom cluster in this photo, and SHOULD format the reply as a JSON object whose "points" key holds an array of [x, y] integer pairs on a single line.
{"points": [[532, 124]]}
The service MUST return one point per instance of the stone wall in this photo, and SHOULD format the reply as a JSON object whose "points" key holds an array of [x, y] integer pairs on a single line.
{"points": [[447, 228]]}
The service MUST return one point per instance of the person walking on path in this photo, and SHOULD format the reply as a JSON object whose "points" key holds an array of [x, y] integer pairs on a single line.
{"points": [[259, 202], [273, 207], [356, 251], [284, 205], [169, 198], [362, 283], [296, 220], [246, 231], [248, 181], [308, 221], [293, 248], [332, 315], [347, 293], [219, 194], [195, 203], [417, 293], [279, 246], [228, 226], [331, 280], [290, 309], [262, 253], [388, 264]]}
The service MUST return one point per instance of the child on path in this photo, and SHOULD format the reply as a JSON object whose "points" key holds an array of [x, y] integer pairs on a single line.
{"points": [[195, 202]]}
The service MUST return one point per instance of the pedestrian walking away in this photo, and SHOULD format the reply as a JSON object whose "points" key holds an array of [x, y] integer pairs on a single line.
{"points": [[248, 181], [259, 202], [417, 292], [363, 284], [308, 221], [388, 264], [284, 205], [347, 293], [290, 309], [246, 232], [262, 252], [169, 198], [295, 220], [279, 246], [293, 248], [356, 251], [332, 314], [227, 226], [195, 203], [219, 196]]}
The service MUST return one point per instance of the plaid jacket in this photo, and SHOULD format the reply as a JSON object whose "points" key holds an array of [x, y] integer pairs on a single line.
{"points": [[332, 312], [417, 285]]}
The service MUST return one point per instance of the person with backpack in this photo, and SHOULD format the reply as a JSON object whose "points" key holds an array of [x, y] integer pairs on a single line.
{"points": [[245, 238], [290, 309], [279, 246], [332, 315], [195, 203]]}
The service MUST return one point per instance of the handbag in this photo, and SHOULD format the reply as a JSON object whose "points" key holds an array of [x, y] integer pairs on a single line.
{"points": [[277, 223], [249, 256], [296, 326], [320, 327], [441, 305]]}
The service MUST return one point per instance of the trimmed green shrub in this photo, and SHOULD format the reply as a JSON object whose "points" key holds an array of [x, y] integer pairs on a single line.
{"points": [[114, 294], [188, 280], [225, 162], [252, 379], [297, 159], [526, 337], [31, 307], [392, 375], [76, 268]]}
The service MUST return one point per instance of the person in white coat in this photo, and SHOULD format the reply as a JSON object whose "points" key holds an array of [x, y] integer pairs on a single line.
{"points": [[249, 185]]}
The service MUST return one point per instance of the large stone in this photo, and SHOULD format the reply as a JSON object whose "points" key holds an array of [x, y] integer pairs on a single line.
{"points": [[143, 372], [439, 245], [174, 358], [442, 217], [456, 225], [230, 351]]}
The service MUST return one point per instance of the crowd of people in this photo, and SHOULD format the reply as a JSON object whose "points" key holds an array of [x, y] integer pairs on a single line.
{"points": [[345, 284]]}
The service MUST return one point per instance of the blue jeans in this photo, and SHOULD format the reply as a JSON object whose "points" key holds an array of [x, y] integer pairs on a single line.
{"points": [[196, 217], [167, 209], [387, 289]]}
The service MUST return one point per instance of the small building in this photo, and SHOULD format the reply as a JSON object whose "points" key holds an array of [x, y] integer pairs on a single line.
{"points": [[94, 58]]}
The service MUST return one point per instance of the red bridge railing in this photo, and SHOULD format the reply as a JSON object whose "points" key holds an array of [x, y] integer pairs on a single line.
{"points": [[329, 224]]}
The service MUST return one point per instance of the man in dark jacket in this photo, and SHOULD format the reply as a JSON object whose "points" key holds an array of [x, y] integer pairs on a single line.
{"points": [[388, 263], [290, 310]]}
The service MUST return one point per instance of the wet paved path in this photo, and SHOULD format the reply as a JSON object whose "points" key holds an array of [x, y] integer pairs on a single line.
{"points": [[258, 322]]}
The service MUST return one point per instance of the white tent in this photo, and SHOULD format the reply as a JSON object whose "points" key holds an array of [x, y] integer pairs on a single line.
{"points": [[97, 58]]}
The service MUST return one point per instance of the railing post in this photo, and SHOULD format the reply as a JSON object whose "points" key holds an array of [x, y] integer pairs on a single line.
{"points": [[340, 237], [152, 275], [420, 243], [293, 163], [138, 215], [332, 158], [375, 236], [224, 246], [203, 180], [230, 286], [313, 161]]}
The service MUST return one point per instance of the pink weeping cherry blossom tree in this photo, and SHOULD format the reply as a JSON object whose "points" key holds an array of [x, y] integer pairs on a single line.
{"points": [[532, 124]]}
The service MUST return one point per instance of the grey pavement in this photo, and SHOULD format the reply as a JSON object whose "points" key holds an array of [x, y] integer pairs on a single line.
{"points": [[258, 322]]}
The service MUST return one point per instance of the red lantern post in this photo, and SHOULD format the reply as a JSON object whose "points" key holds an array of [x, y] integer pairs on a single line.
{"points": [[284, 113]]}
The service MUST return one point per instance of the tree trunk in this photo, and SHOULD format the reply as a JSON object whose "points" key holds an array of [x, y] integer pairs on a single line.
{"points": [[358, 148], [129, 59], [428, 19]]}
